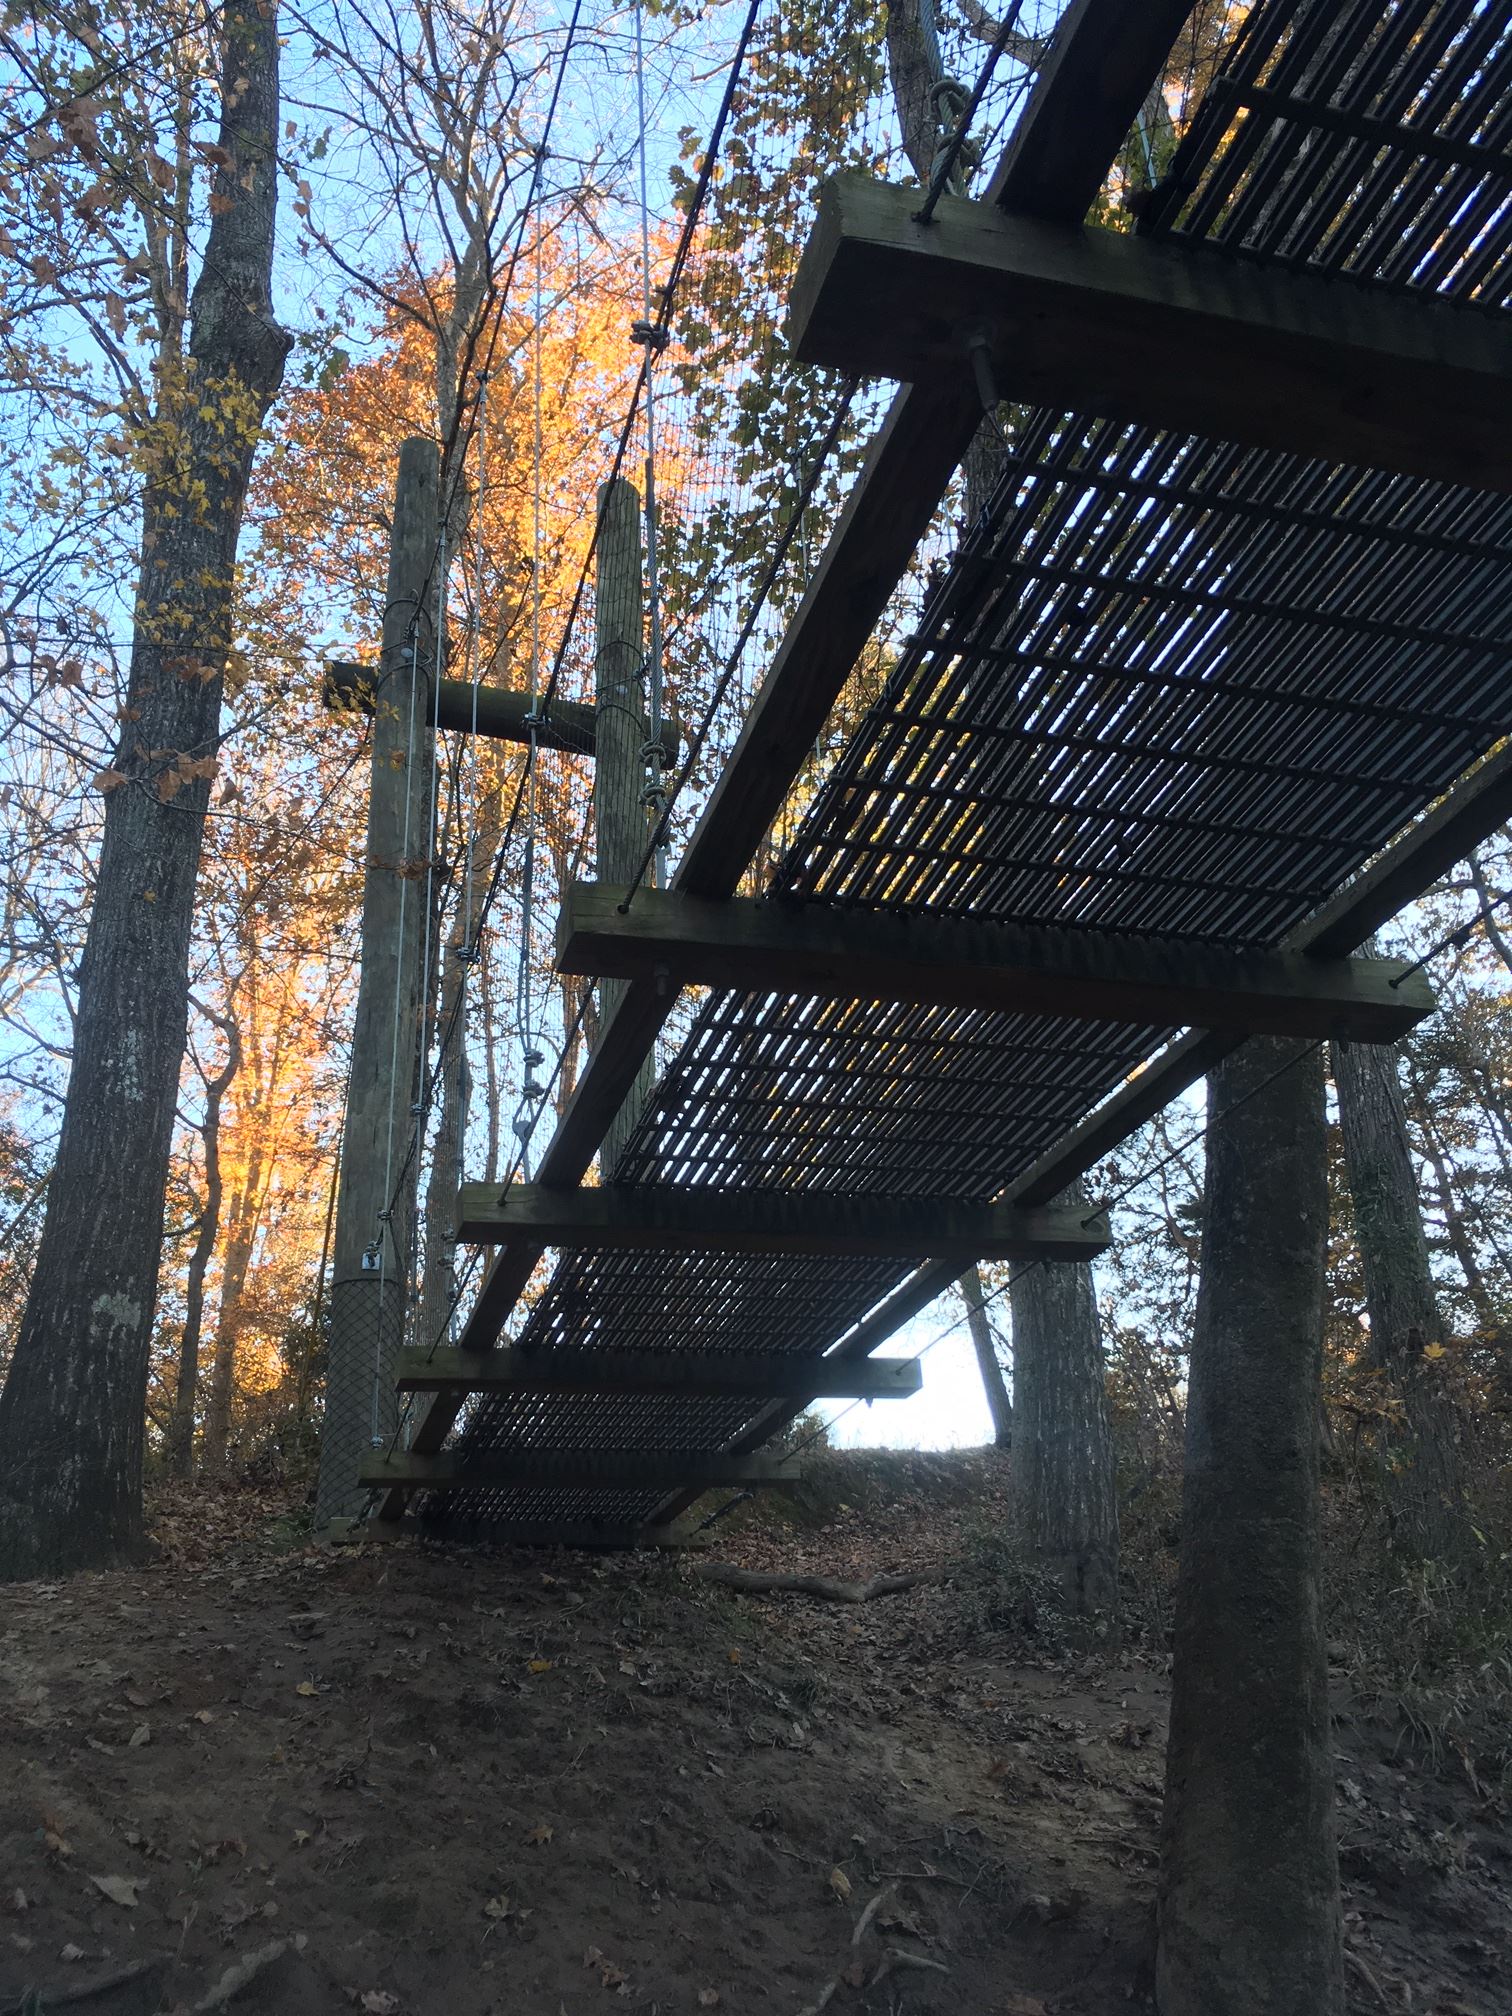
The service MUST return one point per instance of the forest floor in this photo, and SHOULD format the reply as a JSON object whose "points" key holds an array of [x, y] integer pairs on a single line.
{"points": [[401, 1779]]}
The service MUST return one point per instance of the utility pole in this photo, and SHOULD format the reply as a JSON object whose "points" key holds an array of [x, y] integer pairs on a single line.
{"points": [[375, 1202], [619, 776]]}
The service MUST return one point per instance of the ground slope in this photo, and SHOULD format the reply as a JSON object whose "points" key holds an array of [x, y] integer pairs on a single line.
{"points": [[403, 1779]]}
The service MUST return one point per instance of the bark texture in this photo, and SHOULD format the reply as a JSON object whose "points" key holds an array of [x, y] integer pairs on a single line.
{"points": [[1422, 1459], [1249, 1914], [1064, 1496], [71, 1415], [994, 1386]]}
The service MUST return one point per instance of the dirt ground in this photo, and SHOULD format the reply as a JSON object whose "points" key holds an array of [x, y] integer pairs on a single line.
{"points": [[404, 1779]]}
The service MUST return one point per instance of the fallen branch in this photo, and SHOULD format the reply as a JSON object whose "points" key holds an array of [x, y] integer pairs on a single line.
{"points": [[894, 1960], [243, 1973], [85, 1991], [759, 1582]]}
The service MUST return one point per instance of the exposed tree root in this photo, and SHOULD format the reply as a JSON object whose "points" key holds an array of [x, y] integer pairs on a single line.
{"points": [[757, 1582]]}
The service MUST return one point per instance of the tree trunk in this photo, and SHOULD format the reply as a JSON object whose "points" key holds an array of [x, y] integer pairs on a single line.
{"points": [[181, 1426], [220, 1398], [1065, 1502], [71, 1415], [1249, 1914], [1423, 1483], [994, 1387]]}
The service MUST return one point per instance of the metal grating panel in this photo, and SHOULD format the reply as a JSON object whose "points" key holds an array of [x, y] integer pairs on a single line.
{"points": [[1169, 685]]}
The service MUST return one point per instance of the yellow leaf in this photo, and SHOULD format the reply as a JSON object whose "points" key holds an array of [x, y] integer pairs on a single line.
{"points": [[498, 1907], [540, 1666], [539, 1836], [1434, 1351], [307, 1688], [840, 1884]]}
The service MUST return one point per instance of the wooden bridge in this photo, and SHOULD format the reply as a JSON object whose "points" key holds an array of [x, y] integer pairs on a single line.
{"points": [[1215, 683]]}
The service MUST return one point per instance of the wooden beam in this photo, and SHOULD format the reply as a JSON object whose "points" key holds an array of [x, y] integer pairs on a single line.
{"points": [[1174, 335], [670, 1218], [717, 1373], [503, 717], [585, 1534], [961, 962], [575, 1470], [1096, 74]]}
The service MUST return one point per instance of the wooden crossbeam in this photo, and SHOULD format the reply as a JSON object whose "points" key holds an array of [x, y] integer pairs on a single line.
{"points": [[956, 962], [575, 1470], [718, 1373], [583, 1534], [1174, 335], [677, 1219], [503, 717]]}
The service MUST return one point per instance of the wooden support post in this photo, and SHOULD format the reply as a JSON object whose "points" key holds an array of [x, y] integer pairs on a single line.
{"points": [[669, 1218], [369, 1273], [619, 776], [1177, 336], [575, 1470], [720, 1374], [961, 962]]}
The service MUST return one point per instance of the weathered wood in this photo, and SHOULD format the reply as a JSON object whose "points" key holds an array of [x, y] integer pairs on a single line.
{"points": [[1090, 87], [368, 1285], [575, 1470], [672, 1218], [962, 962], [566, 725], [1174, 335], [583, 1535], [684, 1372]]}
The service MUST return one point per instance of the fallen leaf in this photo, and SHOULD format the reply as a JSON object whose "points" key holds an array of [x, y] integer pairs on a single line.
{"points": [[71, 1952], [140, 1735], [1023, 2005], [379, 2002], [609, 1975], [203, 1715], [734, 1655], [302, 1837], [840, 1884], [120, 1889], [135, 1699], [539, 1666], [19, 1900], [307, 1688], [540, 1835], [708, 1998], [498, 1907]]}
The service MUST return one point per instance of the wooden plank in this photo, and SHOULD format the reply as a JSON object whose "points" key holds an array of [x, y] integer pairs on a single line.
{"points": [[718, 1373], [1174, 335], [961, 962], [587, 1535], [567, 725], [575, 1470], [670, 1218], [1105, 57]]}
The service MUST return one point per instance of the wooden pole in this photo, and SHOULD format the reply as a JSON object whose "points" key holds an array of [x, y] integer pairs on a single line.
{"points": [[619, 776], [376, 1194]]}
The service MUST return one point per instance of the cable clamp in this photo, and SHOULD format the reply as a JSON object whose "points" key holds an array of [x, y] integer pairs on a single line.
{"points": [[654, 335], [372, 1257]]}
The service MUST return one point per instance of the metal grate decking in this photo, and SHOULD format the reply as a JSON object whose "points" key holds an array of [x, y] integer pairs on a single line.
{"points": [[1169, 685]]}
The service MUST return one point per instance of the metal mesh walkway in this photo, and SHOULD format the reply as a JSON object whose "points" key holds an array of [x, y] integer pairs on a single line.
{"points": [[1169, 685]]}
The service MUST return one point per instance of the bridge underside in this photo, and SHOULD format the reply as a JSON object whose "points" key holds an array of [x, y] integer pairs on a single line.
{"points": [[1176, 689]]}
